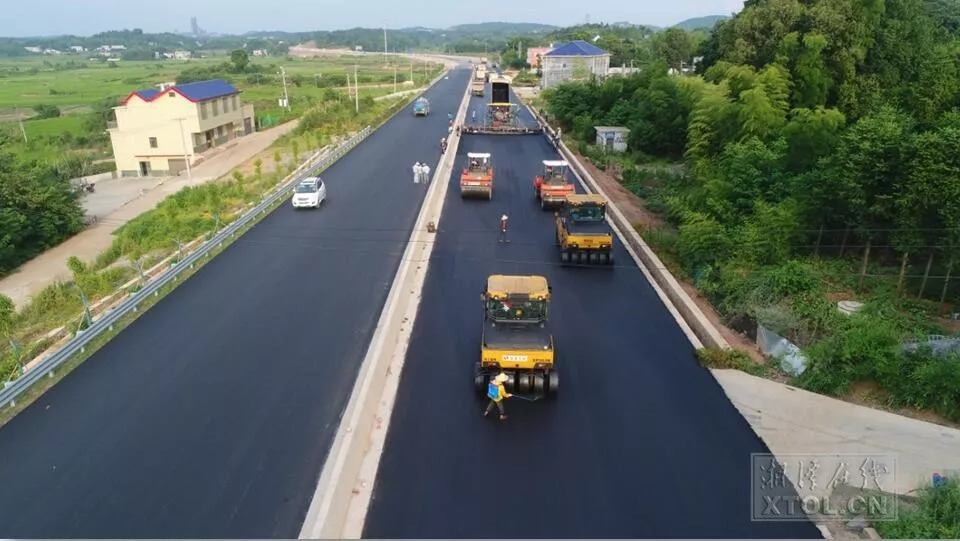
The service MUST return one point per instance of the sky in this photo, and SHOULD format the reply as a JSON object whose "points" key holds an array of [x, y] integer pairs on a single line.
{"points": [[85, 17]]}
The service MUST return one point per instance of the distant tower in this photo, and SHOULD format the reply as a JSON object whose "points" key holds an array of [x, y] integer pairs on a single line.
{"points": [[194, 26]]}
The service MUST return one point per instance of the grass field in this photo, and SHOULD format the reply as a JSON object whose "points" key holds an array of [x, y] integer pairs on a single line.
{"points": [[75, 84]]}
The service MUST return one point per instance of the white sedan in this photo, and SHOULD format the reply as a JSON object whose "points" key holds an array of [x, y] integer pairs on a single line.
{"points": [[310, 192]]}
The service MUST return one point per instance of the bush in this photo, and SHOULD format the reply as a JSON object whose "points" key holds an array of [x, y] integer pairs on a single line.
{"points": [[937, 515], [729, 358]]}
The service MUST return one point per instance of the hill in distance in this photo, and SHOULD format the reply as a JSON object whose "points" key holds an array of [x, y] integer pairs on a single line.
{"points": [[696, 23]]}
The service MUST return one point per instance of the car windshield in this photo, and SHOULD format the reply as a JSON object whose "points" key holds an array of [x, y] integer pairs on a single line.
{"points": [[525, 310], [587, 213], [306, 188]]}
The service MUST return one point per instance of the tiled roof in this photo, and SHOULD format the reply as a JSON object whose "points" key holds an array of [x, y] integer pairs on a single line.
{"points": [[195, 92], [577, 48]]}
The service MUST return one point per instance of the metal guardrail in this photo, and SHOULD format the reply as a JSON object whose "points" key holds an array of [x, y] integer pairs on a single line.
{"points": [[78, 344]]}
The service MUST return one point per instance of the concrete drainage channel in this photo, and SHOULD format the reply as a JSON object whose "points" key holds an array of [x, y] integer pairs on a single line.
{"points": [[343, 493]]}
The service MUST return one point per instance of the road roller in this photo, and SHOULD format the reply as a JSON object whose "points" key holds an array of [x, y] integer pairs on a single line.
{"points": [[516, 337], [583, 234], [476, 179], [553, 185]]}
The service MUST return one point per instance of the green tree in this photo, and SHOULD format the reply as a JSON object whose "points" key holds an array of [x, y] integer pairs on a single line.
{"points": [[240, 60], [674, 46]]}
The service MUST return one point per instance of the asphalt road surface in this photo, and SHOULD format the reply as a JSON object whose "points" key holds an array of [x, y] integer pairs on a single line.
{"points": [[211, 415], [641, 442]]}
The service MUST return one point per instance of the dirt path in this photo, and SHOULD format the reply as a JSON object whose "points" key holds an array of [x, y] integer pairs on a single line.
{"points": [[51, 266]]}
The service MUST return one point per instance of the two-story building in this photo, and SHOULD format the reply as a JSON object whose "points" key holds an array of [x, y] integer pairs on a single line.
{"points": [[574, 61], [159, 129]]}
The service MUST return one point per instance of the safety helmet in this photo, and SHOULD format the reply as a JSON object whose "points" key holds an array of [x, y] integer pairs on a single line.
{"points": [[501, 378]]}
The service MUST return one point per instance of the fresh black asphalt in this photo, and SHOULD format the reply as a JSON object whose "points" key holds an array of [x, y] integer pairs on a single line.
{"points": [[642, 441], [212, 414]]}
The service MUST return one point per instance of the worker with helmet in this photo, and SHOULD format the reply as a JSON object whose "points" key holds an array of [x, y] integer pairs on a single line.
{"points": [[497, 393], [503, 229]]}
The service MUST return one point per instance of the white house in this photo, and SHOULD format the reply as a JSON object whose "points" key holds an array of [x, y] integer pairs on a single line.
{"points": [[612, 138]]}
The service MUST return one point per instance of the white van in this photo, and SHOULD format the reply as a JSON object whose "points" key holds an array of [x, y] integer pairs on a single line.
{"points": [[310, 192]]}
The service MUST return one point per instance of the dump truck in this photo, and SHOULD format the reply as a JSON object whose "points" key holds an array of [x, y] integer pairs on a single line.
{"points": [[477, 177], [421, 107], [553, 185], [516, 338], [583, 234], [502, 117]]}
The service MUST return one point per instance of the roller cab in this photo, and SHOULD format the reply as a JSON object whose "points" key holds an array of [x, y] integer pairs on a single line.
{"points": [[583, 234], [552, 186], [516, 337], [476, 179]]}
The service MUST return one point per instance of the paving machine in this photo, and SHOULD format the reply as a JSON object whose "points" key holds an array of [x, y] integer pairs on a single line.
{"points": [[502, 116], [516, 339], [421, 107], [583, 234], [477, 177], [553, 185]]}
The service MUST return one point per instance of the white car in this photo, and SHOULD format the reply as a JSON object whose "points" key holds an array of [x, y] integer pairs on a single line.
{"points": [[310, 192]]}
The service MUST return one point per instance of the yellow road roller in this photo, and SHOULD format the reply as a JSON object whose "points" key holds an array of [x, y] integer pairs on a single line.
{"points": [[516, 338], [583, 234]]}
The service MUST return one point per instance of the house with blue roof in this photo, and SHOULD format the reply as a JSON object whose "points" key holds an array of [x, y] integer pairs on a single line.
{"points": [[574, 61], [163, 131]]}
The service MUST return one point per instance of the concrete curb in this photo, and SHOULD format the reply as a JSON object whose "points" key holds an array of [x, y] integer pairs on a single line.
{"points": [[675, 298], [334, 509]]}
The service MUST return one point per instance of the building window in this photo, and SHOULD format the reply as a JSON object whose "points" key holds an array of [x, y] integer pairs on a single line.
{"points": [[153, 142], [216, 107], [172, 94], [234, 103], [226, 106], [203, 110]]}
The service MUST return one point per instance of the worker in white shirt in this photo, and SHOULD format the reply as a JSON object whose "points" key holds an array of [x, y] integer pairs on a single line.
{"points": [[425, 171], [417, 172]]}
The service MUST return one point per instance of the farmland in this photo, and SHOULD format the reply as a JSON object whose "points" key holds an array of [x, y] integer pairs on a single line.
{"points": [[83, 90]]}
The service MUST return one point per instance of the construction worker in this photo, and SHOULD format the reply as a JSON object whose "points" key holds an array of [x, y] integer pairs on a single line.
{"points": [[443, 145], [417, 172], [503, 229], [497, 393], [425, 172]]}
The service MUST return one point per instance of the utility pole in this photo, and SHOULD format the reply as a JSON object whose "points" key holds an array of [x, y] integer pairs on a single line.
{"points": [[186, 155], [394, 78], [384, 42], [23, 131], [286, 97], [356, 86]]}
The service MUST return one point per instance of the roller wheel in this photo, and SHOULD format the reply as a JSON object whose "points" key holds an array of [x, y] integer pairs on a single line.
{"points": [[610, 258], [525, 383], [553, 384], [564, 257], [543, 204], [479, 381], [539, 384], [594, 258], [581, 258], [490, 194]]}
